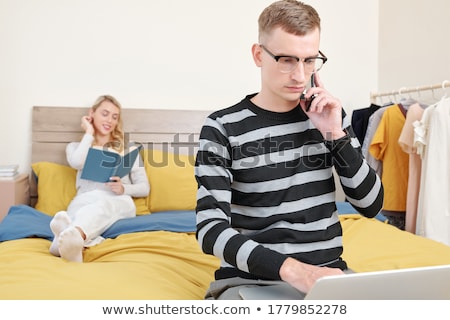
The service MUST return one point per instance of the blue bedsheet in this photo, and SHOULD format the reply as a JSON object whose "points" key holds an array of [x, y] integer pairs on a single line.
{"points": [[26, 222], [23, 221]]}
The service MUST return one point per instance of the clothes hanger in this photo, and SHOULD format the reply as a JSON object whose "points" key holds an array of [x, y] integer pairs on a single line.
{"points": [[380, 97], [419, 99], [391, 97], [418, 93], [444, 85], [429, 99], [434, 95], [406, 102]]}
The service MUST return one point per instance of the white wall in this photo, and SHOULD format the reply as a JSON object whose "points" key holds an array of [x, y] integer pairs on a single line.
{"points": [[414, 46], [158, 54]]}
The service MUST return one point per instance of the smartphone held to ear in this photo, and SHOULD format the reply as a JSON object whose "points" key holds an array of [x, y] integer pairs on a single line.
{"points": [[302, 97]]}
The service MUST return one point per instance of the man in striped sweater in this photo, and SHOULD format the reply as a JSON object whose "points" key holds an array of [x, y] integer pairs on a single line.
{"points": [[266, 190]]}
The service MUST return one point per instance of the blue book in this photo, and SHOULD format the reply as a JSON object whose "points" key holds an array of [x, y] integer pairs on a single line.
{"points": [[101, 164]]}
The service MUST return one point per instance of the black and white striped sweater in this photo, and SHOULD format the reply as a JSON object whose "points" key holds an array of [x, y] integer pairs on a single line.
{"points": [[267, 191]]}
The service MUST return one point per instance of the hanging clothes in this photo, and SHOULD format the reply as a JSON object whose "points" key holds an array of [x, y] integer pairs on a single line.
{"points": [[384, 147], [432, 139], [360, 120], [406, 142], [374, 121]]}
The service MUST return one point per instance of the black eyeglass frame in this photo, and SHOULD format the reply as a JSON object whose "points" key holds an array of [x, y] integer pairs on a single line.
{"points": [[276, 58]]}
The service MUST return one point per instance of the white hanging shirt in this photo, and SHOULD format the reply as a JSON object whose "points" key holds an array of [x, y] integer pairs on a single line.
{"points": [[432, 140]]}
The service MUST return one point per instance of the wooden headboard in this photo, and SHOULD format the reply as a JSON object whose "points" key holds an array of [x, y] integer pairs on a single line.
{"points": [[172, 130]]}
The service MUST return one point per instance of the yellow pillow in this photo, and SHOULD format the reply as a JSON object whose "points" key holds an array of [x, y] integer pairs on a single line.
{"points": [[172, 181], [141, 206], [56, 188]]}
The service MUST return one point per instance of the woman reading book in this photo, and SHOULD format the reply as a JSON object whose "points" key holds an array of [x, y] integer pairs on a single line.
{"points": [[97, 205]]}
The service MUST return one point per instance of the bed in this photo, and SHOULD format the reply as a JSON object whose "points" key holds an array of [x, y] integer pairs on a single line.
{"points": [[155, 255]]}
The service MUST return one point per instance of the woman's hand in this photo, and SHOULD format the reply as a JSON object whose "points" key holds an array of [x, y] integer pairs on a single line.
{"points": [[116, 185], [86, 124]]}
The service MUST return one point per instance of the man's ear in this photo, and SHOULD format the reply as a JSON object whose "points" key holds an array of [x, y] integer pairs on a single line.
{"points": [[256, 53]]}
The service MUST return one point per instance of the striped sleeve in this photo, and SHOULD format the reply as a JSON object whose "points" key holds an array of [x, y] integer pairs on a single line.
{"points": [[360, 183]]}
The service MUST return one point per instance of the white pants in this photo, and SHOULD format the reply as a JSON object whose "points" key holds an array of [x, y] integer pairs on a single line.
{"points": [[95, 211]]}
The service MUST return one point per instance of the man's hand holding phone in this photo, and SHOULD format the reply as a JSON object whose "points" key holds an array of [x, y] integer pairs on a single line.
{"points": [[326, 114]]}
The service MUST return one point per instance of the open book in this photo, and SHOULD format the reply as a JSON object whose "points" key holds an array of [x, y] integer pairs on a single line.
{"points": [[101, 164]]}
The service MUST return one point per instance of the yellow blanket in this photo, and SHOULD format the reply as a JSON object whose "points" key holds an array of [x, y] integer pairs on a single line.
{"points": [[371, 245], [146, 265]]}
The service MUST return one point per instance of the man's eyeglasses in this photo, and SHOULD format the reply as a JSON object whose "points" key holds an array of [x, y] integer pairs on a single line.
{"points": [[287, 64]]}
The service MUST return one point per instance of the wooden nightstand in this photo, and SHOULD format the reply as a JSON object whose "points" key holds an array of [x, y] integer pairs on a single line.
{"points": [[13, 192]]}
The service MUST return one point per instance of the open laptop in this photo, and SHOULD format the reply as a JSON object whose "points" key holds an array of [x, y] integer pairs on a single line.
{"points": [[424, 283]]}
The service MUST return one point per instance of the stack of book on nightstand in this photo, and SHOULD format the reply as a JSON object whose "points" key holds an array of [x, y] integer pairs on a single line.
{"points": [[9, 171]]}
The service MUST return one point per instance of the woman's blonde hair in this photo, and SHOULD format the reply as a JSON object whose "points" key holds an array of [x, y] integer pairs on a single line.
{"points": [[117, 135]]}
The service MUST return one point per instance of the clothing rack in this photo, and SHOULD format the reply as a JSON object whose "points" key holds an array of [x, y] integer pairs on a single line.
{"points": [[403, 90]]}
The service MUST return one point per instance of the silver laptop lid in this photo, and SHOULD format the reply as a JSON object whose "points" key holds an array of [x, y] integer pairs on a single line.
{"points": [[432, 283]]}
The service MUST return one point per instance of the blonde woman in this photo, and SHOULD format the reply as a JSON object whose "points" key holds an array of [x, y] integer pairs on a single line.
{"points": [[97, 205]]}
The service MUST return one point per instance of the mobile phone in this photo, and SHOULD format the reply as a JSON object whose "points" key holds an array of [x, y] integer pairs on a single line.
{"points": [[302, 97]]}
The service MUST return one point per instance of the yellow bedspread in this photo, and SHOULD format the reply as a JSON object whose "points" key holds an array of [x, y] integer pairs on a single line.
{"points": [[145, 265], [371, 245]]}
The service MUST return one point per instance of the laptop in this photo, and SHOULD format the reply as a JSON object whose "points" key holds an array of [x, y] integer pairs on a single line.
{"points": [[424, 283]]}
